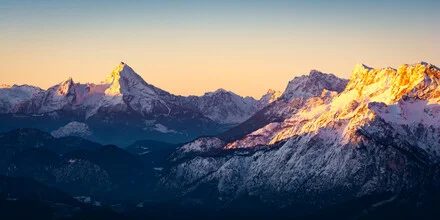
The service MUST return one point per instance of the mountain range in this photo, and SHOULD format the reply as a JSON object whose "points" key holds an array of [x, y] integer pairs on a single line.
{"points": [[127, 107], [124, 104], [378, 136], [367, 147]]}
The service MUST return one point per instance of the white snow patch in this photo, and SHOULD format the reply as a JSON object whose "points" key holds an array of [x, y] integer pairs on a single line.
{"points": [[73, 129], [145, 152], [163, 129], [202, 144], [84, 199]]}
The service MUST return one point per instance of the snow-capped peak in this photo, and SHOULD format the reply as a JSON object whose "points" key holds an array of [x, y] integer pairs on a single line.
{"points": [[124, 80], [409, 95], [268, 98], [361, 66], [423, 63], [64, 86], [418, 79], [11, 96], [115, 74], [274, 95], [316, 73], [224, 106], [312, 85], [218, 91]]}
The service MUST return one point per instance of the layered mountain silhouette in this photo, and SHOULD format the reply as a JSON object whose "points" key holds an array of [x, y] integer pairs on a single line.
{"points": [[364, 147]]}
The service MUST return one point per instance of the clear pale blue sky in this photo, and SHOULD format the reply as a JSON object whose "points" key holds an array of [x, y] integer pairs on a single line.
{"points": [[189, 47]]}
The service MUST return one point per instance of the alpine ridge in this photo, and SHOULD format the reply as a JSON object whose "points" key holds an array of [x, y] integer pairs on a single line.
{"points": [[224, 106], [369, 144], [378, 138], [280, 106], [311, 85], [123, 99], [366, 87]]}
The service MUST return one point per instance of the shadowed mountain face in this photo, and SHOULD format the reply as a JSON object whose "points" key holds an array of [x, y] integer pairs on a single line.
{"points": [[77, 166], [25, 198], [367, 150]]}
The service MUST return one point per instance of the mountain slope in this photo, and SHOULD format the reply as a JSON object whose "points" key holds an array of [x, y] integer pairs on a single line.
{"points": [[14, 96], [122, 109], [378, 137], [75, 165], [25, 198], [317, 86], [266, 99], [372, 94], [373, 149], [122, 89], [223, 106], [312, 85]]}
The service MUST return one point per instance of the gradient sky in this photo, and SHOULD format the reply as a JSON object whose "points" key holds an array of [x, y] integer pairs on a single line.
{"points": [[190, 47]]}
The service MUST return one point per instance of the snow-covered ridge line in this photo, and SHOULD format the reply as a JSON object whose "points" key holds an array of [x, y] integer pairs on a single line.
{"points": [[124, 90], [380, 134], [312, 85], [353, 108]]}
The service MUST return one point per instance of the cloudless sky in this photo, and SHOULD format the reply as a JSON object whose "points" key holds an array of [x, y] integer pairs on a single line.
{"points": [[191, 47]]}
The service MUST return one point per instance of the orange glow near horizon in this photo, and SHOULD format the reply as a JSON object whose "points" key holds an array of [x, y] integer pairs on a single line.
{"points": [[194, 68], [192, 50]]}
